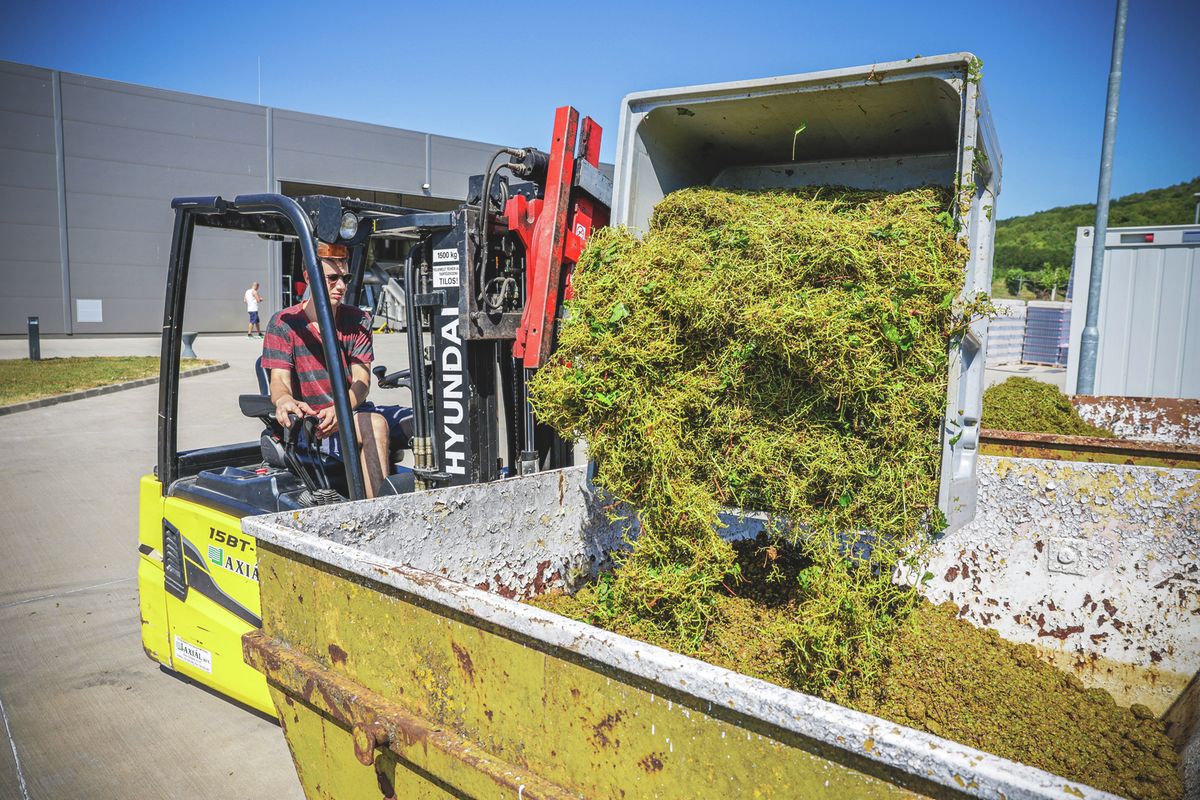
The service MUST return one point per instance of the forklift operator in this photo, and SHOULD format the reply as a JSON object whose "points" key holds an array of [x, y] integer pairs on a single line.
{"points": [[300, 383]]}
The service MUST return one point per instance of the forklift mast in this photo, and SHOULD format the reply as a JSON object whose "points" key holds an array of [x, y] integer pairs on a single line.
{"points": [[489, 289]]}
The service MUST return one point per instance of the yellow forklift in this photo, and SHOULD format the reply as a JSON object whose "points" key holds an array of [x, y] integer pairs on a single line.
{"points": [[197, 573], [483, 288]]}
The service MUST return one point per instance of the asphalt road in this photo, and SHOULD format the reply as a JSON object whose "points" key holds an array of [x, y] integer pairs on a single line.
{"points": [[85, 712]]}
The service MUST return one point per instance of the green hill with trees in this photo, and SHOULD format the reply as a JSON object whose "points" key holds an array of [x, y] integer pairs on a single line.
{"points": [[1033, 252]]}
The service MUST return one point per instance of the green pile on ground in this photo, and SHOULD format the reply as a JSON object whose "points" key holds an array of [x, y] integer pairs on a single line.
{"points": [[780, 350], [1029, 406], [940, 674], [22, 380]]}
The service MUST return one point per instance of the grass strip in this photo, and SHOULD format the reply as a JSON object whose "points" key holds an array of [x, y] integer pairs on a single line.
{"points": [[22, 380]]}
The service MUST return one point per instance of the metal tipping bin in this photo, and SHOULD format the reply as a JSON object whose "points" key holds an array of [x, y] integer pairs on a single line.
{"points": [[403, 665], [893, 126]]}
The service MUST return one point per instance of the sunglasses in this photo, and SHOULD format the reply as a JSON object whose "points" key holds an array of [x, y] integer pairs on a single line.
{"points": [[332, 280]]}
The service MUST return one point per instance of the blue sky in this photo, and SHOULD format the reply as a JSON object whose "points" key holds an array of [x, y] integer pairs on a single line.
{"points": [[477, 71]]}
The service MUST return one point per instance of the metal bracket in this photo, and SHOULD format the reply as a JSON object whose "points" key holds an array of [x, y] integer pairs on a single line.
{"points": [[594, 182], [376, 723], [430, 300], [1069, 556]]}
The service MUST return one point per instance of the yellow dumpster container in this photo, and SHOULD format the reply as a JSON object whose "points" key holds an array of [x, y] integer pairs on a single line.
{"points": [[403, 664]]}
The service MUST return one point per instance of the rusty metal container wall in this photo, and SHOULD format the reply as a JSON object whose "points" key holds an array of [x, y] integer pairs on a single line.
{"points": [[413, 682], [893, 126], [1094, 564], [1166, 420], [1091, 563]]}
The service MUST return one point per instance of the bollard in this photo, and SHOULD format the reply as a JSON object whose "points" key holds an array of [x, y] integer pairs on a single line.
{"points": [[188, 338], [35, 338]]}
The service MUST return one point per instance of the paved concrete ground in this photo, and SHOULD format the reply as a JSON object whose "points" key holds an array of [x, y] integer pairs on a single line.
{"points": [[86, 714]]}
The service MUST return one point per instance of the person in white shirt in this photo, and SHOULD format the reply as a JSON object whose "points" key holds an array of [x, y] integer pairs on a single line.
{"points": [[253, 298]]}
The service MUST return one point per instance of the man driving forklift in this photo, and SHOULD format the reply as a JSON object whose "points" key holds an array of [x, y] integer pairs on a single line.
{"points": [[299, 382]]}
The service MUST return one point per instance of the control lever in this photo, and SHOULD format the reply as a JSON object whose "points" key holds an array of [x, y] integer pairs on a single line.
{"points": [[395, 380], [316, 482]]}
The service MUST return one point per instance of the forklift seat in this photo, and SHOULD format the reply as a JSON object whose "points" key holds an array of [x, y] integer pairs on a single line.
{"points": [[400, 423], [264, 378], [400, 431], [271, 440]]}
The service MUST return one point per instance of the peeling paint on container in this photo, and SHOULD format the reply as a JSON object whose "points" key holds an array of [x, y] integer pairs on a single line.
{"points": [[1167, 420], [1094, 564]]}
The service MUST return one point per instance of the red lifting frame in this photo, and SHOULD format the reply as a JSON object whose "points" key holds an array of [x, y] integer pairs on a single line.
{"points": [[554, 231]]}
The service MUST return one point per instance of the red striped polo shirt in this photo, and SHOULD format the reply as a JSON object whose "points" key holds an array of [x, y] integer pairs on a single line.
{"points": [[292, 343]]}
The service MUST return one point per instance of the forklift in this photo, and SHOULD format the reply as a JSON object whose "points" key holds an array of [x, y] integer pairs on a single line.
{"points": [[483, 289]]}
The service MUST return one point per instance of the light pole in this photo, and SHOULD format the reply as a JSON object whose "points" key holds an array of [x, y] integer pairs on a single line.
{"points": [[1089, 342], [1196, 221]]}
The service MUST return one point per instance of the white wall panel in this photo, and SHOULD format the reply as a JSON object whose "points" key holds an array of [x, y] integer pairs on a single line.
{"points": [[1149, 320]]}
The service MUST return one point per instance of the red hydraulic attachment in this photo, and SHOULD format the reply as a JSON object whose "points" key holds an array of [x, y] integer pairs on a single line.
{"points": [[554, 231]]}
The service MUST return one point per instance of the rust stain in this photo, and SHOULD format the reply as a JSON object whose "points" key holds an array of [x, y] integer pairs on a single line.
{"points": [[1109, 607], [539, 579], [604, 728], [337, 654], [1039, 545], [1088, 449], [1161, 584], [464, 661], [385, 785], [652, 762], [501, 589], [951, 575], [1177, 419], [1061, 633]]}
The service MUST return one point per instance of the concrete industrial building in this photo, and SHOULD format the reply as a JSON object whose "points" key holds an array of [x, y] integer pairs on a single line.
{"points": [[88, 168]]}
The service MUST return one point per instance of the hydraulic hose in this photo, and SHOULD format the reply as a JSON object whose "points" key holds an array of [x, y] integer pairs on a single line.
{"points": [[416, 361]]}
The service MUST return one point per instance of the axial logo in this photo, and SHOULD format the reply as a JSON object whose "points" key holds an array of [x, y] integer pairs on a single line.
{"points": [[452, 397], [235, 565]]}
